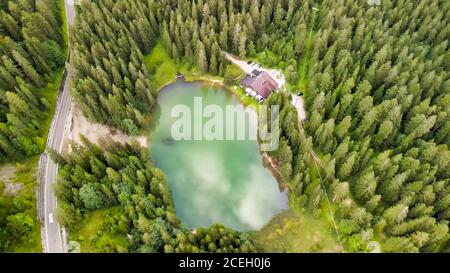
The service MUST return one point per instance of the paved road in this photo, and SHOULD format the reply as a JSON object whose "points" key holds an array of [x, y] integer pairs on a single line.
{"points": [[53, 236]]}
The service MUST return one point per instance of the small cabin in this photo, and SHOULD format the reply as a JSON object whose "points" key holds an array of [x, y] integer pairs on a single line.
{"points": [[259, 85]]}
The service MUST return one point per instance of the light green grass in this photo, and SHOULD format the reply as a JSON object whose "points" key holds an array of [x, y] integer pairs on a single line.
{"points": [[50, 93], [303, 67], [162, 68], [90, 231], [245, 100], [64, 25], [295, 233], [191, 75], [164, 71]]}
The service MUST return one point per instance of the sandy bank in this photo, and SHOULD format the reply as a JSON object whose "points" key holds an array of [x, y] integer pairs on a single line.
{"points": [[78, 125]]}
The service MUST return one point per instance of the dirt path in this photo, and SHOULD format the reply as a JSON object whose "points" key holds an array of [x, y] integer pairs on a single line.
{"points": [[298, 103], [277, 75], [79, 125]]}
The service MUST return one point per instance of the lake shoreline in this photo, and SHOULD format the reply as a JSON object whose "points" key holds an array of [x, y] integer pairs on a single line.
{"points": [[234, 163], [267, 161]]}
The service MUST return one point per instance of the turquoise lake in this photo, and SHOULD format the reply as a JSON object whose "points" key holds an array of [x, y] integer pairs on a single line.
{"points": [[218, 181]]}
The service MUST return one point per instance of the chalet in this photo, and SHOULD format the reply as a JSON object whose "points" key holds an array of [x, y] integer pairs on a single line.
{"points": [[259, 85]]}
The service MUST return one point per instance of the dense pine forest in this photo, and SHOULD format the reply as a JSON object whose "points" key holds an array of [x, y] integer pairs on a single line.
{"points": [[376, 85], [373, 153], [378, 102], [31, 49], [111, 81]]}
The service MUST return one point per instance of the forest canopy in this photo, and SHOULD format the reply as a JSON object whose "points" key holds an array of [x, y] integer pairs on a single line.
{"points": [[375, 80], [32, 55], [31, 52]]}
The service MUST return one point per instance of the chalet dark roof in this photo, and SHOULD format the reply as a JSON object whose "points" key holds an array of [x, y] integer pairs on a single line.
{"points": [[256, 72], [262, 84], [248, 80]]}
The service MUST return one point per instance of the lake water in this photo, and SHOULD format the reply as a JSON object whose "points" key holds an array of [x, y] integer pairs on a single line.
{"points": [[219, 181]]}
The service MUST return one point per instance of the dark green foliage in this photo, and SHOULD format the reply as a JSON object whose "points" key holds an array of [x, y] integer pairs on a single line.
{"points": [[376, 86], [31, 51], [216, 239], [112, 36], [378, 103], [91, 179], [111, 81]]}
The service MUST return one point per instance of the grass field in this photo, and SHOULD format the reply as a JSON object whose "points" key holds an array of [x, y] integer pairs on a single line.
{"points": [[50, 94], [162, 68], [62, 8], [292, 232], [164, 71], [303, 66], [91, 233]]}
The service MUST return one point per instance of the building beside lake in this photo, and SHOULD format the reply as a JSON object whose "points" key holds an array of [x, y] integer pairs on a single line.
{"points": [[259, 82], [259, 85]]}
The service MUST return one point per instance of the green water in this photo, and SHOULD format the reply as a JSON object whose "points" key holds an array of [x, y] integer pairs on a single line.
{"points": [[220, 181]]}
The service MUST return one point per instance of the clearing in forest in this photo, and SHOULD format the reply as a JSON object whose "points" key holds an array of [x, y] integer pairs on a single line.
{"points": [[79, 125], [291, 232]]}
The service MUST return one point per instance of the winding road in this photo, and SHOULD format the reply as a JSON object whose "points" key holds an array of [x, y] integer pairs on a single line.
{"points": [[53, 235]]}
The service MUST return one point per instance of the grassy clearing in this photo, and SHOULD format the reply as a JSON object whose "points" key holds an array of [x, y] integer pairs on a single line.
{"points": [[304, 63], [191, 74], [292, 232], [93, 234], [162, 68], [61, 6], [50, 95], [245, 100], [164, 71]]}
